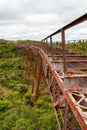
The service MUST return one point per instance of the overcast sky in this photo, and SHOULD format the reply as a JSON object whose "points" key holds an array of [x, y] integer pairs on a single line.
{"points": [[36, 19]]}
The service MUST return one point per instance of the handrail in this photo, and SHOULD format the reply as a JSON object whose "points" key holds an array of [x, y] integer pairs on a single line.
{"points": [[62, 31], [71, 24]]}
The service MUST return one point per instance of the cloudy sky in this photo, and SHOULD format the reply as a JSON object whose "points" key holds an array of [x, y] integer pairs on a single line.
{"points": [[36, 19]]}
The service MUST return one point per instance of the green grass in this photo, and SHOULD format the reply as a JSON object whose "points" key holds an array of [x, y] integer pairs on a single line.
{"points": [[71, 47], [18, 111]]}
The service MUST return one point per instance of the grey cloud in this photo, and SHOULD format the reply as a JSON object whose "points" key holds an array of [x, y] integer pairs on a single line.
{"points": [[37, 19]]}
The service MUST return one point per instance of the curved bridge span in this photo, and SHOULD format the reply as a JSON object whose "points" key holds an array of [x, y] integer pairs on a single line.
{"points": [[65, 74]]}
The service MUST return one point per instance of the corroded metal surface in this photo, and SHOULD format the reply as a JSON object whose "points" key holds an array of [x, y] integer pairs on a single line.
{"points": [[68, 92], [65, 74]]}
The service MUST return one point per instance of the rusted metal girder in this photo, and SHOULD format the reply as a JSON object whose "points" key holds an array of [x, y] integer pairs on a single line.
{"points": [[66, 76], [65, 94], [59, 87], [64, 50]]}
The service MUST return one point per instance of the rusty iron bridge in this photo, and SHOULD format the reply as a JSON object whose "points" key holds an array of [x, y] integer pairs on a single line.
{"points": [[65, 75]]}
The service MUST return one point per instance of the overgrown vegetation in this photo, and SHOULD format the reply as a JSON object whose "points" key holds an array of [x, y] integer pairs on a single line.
{"points": [[18, 111], [17, 108], [78, 47]]}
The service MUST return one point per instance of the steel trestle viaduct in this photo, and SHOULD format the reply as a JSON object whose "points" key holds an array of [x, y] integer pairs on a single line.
{"points": [[65, 74]]}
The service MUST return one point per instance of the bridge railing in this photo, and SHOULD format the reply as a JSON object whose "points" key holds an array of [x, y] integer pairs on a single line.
{"points": [[63, 39]]}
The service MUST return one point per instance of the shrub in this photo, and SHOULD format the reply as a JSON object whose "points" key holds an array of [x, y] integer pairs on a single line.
{"points": [[27, 98], [22, 88], [27, 95], [40, 102], [4, 105], [22, 124]]}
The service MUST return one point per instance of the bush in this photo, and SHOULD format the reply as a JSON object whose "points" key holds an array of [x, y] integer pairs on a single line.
{"points": [[22, 88], [22, 124], [10, 83], [47, 121], [27, 98], [4, 105], [27, 95], [40, 102]]}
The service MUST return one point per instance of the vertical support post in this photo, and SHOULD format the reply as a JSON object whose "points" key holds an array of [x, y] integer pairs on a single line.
{"points": [[37, 77], [82, 44], [27, 73], [35, 84], [46, 41], [58, 123], [68, 118], [21, 60], [64, 50], [74, 42], [51, 41], [28, 67], [51, 45]]}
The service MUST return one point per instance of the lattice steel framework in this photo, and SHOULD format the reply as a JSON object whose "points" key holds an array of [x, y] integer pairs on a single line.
{"points": [[65, 75]]}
